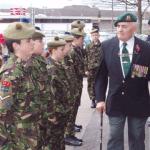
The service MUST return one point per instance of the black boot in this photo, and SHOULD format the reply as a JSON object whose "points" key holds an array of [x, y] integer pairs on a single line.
{"points": [[76, 129], [78, 126], [93, 104], [73, 141], [78, 139]]}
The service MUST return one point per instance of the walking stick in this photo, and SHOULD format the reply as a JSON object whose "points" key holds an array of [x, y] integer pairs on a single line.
{"points": [[101, 130]]}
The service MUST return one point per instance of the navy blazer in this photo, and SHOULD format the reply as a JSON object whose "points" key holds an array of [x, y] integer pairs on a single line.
{"points": [[126, 95]]}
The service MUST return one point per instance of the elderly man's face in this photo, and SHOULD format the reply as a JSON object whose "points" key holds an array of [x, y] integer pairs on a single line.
{"points": [[125, 30]]}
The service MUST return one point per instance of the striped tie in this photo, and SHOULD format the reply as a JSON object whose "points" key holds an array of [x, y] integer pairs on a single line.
{"points": [[125, 59]]}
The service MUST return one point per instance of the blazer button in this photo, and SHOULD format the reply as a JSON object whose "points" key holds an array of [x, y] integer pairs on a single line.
{"points": [[123, 81], [122, 93]]}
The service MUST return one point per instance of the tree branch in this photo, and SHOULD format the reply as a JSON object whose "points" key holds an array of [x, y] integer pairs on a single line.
{"points": [[145, 9], [128, 2]]}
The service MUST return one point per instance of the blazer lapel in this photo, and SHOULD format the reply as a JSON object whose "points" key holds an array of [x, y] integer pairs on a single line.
{"points": [[116, 57], [136, 52], [136, 55]]}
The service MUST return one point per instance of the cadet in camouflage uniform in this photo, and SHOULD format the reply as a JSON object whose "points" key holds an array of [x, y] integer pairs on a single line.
{"points": [[78, 55], [61, 94], [18, 110], [70, 138], [37, 67], [93, 60], [40, 74], [77, 58]]}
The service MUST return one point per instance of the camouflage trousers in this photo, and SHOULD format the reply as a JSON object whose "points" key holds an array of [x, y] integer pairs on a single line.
{"points": [[91, 83], [73, 113], [55, 135], [69, 131], [20, 143], [13, 138]]}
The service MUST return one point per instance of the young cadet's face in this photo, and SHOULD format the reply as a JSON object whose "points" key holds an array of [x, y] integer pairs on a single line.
{"points": [[38, 46], [25, 48], [81, 41], [59, 52], [125, 30], [67, 48], [95, 37]]}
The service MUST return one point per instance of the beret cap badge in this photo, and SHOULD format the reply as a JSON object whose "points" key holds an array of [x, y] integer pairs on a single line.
{"points": [[56, 42], [18, 26], [80, 30], [56, 38], [128, 18], [78, 22]]}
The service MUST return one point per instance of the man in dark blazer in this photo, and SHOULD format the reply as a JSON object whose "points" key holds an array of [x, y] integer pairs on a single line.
{"points": [[128, 96]]}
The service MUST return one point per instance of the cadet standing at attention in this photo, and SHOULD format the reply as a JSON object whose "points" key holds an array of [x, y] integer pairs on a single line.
{"points": [[60, 90], [68, 65], [38, 69], [76, 57], [92, 63], [17, 89]]}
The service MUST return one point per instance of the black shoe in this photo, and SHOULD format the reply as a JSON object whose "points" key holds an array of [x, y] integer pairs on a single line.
{"points": [[93, 104], [77, 139], [73, 137], [71, 141], [78, 126], [77, 129]]}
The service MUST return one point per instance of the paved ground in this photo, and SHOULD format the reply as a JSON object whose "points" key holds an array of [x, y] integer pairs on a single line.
{"points": [[90, 119]]}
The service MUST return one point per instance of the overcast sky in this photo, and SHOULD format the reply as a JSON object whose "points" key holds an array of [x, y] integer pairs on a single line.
{"points": [[38, 3]]}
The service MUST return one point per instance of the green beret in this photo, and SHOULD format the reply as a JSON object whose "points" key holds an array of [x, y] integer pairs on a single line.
{"points": [[68, 38], [37, 34], [94, 30], [18, 31], [56, 42], [127, 17], [77, 32], [77, 24]]}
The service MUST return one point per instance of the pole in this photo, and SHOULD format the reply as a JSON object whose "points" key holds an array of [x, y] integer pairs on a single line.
{"points": [[126, 6], [112, 19], [33, 16], [101, 130]]}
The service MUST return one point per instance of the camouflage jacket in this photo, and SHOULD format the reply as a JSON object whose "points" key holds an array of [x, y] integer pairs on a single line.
{"points": [[20, 107], [37, 67], [59, 88], [78, 57], [71, 74], [93, 56]]}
